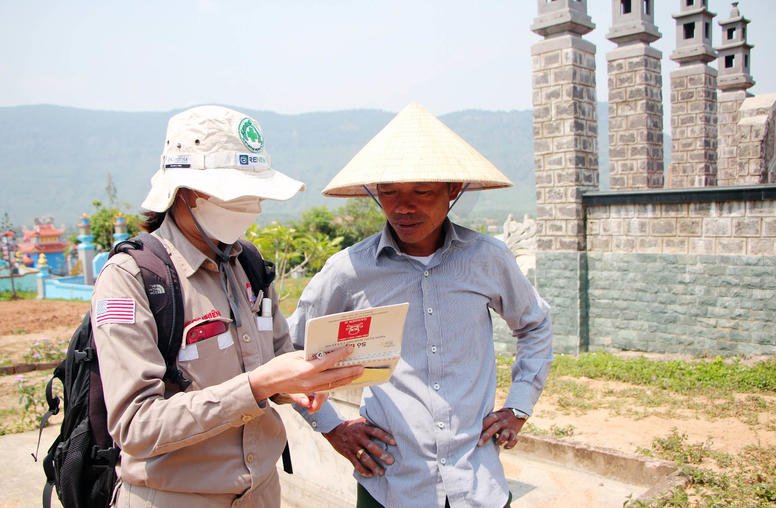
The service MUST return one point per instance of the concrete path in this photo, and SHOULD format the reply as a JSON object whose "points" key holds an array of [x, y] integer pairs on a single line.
{"points": [[21, 484], [542, 483]]}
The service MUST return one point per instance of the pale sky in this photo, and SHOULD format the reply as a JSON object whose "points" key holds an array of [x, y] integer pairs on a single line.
{"points": [[294, 56]]}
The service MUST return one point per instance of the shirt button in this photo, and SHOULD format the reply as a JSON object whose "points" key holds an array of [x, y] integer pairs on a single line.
{"points": [[430, 310], [246, 418], [246, 338], [249, 458], [314, 424], [433, 349], [436, 386], [425, 274], [441, 425], [443, 461]]}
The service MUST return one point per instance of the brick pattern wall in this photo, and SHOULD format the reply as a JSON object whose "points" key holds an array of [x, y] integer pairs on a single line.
{"points": [[635, 119], [756, 141], [693, 127], [728, 106], [692, 304], [734, 228], [565, 138]]}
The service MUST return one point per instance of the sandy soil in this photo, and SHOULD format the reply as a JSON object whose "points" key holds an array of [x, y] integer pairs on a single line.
{"points": [[625, 424]]}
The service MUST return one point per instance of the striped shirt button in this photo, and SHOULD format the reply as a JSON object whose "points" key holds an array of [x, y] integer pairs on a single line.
{"points": [[436, 386], [430, 310], [433, 349]]}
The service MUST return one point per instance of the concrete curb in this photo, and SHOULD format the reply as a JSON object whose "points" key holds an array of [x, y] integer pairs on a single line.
{"points": [[20, 368], [657, 476], [662, 475], [606, 462]]}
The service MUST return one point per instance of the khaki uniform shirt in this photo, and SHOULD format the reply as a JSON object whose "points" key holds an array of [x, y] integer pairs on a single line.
{"points": [[214, 437]]}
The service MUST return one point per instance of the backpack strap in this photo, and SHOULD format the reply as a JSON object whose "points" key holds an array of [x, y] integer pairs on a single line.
{"points": [[260, 272], [53, 402], [165, 297]]}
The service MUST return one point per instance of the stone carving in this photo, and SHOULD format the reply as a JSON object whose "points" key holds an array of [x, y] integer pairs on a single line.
{"points": [[520, 237]]}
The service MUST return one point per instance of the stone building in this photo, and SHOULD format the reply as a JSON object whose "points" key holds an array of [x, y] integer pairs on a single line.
{"points": [[679, 260]]}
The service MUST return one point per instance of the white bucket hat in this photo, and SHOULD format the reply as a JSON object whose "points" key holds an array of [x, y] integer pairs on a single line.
{"points": [[220, 152], [415, 147]]}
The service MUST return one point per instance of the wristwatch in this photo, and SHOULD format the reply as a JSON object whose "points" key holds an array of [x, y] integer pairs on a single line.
{"points": [[519, 414]]}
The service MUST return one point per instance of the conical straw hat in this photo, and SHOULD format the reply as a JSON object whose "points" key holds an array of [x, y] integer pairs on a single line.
{"points": [[415, 147]]}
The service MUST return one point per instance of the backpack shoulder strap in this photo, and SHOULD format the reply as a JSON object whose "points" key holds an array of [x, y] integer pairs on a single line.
{"points": [[165, 297], [260, 272]]}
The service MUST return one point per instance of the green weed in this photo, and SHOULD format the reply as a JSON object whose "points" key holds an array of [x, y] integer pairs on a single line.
{"points": [[746, 480], [675, 375], [46, 350], [557, 431], [7, 296]]}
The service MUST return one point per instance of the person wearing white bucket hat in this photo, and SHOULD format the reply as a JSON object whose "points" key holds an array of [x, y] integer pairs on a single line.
{"points": [[216, 442], [430, 435]]}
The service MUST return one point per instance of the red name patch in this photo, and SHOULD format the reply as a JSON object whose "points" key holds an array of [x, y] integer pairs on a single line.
{"points": [[354, 329]]}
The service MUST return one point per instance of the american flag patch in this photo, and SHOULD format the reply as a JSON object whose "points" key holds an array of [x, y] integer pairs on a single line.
{"points": [[115, 310]]}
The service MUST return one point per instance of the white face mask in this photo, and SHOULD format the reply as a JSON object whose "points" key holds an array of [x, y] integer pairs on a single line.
{"points": [[226, 220]]}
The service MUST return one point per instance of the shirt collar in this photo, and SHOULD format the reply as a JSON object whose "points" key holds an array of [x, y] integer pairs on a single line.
{"points": [[387, 241], [189, 259]]}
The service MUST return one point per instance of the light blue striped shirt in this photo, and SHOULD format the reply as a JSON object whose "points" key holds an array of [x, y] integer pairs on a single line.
{"points": [[445, 382]]}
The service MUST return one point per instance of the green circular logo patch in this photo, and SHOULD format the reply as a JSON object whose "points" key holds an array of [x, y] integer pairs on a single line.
{"points": [[251, 135]]}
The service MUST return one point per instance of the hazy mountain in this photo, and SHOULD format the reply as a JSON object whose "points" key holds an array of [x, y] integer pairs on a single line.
{"points": [[56, 160]]}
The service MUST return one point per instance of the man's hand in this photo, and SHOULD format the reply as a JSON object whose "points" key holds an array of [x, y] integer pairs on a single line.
{"points": [[312, 402], [291, 373], [503, 425], [352, 439]]}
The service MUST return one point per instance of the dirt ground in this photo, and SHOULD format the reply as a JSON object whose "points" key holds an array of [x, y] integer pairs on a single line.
{"points": [[630, 424]]}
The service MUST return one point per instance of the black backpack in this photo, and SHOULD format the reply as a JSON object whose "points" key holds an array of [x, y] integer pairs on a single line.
{"points": [[82, 460]]}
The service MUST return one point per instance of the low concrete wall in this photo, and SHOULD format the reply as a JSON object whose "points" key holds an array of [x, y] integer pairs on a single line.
{"points": [[25, 282], [685, 270], [67, 288]]}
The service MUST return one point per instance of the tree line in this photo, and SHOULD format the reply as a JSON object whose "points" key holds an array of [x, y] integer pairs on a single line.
{"points": [[298, 247]]}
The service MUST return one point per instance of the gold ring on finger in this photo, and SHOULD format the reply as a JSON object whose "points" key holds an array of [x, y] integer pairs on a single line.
{"points": [[359, 453]]}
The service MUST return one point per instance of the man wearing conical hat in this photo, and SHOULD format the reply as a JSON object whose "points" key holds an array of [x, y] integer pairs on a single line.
{"points": [[430, 435], [206, 437]]}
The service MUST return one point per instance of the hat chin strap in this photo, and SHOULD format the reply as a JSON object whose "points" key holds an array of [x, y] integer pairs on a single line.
{"points": [[372, 196], [224, 269], [459, 196]]}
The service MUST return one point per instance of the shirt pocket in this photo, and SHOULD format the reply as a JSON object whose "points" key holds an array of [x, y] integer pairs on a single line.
{"points": [[208, 355]]}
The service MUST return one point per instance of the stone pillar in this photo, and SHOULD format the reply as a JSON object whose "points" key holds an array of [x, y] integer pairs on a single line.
{"points": [[733, 81], [635, 98], [86, 248], [566, 161], [756, 140], [43, 274], [120, 229], [729, 171], [693, 100]]}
